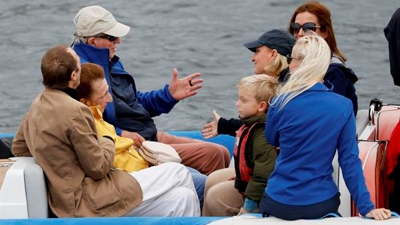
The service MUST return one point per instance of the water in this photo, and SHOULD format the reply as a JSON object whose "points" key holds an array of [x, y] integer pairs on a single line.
{"points": [[192, 36]]}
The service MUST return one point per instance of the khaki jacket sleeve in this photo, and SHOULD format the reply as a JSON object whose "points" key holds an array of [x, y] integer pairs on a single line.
{"points": [[95, 154], [19, 146]]}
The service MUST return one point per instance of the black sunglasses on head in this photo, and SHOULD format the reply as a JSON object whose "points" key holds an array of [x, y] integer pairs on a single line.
{"points": [[109, 37], [295, 27]]}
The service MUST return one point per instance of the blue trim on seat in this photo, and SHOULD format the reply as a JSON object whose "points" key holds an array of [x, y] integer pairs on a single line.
{"points": [[115, 221], [329, 215], [222, 139], [6, 135], [394, 214]]}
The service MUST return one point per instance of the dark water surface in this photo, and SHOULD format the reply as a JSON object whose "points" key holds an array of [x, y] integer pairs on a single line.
{"points": [[192, 36]]}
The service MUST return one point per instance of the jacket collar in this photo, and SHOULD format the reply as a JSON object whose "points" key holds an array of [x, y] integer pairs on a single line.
{"points": [[89, 53], [96, 112], [73, 93], [321, 87], [251, 120], [284, 76]]}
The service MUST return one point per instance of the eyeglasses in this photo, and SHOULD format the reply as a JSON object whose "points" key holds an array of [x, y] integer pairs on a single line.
{"points": [[109, 37], [289, 58], [295, 27]]}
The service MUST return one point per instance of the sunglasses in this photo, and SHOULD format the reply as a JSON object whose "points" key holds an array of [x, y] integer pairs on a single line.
{"points": [[295, 27], [289, 58], [109, 37]]}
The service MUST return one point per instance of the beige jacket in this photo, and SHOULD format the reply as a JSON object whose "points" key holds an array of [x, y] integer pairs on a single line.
{"points": [[60, 133]]}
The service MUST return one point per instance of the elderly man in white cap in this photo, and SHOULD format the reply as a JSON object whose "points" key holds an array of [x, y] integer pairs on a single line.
{"points": [[96, 35]]}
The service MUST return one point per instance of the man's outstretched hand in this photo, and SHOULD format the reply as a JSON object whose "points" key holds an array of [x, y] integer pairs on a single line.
{"points": [[184, 87]]}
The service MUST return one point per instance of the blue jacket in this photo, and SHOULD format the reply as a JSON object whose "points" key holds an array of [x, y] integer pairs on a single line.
{"points": [[130, 110], [308, 130]]}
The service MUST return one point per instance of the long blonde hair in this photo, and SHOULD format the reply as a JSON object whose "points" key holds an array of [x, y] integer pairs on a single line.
{"points": [[314, 55]]}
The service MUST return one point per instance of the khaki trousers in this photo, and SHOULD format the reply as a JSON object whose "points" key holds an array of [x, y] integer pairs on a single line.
{"points": [[221, 197]]}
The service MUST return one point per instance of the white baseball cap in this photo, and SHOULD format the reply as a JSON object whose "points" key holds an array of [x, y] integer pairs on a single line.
{"points": [[94, 20]]}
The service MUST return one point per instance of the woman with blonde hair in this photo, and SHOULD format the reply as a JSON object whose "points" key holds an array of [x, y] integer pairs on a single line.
{"points": [[309, 122]]}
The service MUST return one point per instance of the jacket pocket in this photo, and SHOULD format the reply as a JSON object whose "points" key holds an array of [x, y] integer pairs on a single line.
{"points": [[101, 194]]}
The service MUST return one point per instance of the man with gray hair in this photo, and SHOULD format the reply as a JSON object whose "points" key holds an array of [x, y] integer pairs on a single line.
{"points": [[96, 36]]}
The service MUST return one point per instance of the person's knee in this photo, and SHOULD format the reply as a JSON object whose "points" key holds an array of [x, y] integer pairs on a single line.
{"points": [[219, 148], [219, 176], [211, 200], [184, 194], [222, 151], [186, 202], [216, 151]]}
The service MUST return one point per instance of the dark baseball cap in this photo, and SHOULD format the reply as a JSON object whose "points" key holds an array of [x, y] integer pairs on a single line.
{"points": [[280, 40]]}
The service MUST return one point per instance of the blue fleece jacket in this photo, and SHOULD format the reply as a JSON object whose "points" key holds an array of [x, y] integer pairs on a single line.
{"points": [[308, 130]]}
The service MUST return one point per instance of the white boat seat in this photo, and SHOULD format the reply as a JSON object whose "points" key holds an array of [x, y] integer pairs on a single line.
{"points": [[24, 193], [362, 120]]}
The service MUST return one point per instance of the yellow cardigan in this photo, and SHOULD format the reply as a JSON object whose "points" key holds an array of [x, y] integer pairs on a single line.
{"points": [[126, 156]]}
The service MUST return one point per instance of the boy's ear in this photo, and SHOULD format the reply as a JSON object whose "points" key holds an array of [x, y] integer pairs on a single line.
{"points": [[263, 106]]}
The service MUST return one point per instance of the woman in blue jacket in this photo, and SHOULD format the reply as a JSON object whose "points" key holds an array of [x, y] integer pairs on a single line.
{"points": [[309, 122]]}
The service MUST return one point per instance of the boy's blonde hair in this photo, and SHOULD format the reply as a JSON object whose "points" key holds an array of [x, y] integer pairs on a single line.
{"points": [[263, 86]]}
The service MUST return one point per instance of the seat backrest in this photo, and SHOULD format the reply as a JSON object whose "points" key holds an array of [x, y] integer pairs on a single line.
{"points": [[387, 119], [362, 120], [24, 193], [36, 191]]}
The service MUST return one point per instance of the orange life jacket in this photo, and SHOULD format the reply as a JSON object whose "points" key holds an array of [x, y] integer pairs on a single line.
{"points": [[243, 164]]}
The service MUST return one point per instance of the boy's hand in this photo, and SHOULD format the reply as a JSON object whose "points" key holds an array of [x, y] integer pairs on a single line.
{"points": [[211, 129]]}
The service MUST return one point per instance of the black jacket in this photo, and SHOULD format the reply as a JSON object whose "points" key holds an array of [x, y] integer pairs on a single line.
{"points": [[343, 79], [392, 34]]}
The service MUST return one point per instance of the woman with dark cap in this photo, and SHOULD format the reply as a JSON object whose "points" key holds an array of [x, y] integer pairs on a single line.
{"points": [[270, 51]]}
